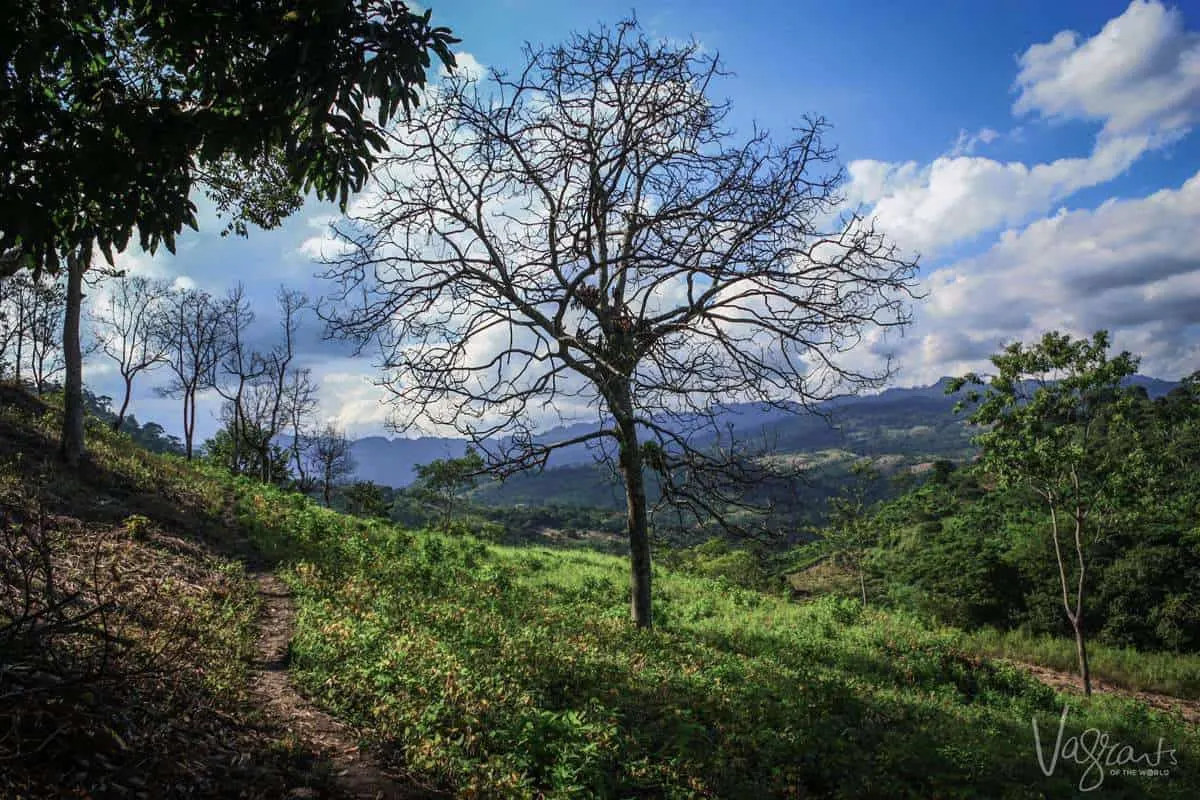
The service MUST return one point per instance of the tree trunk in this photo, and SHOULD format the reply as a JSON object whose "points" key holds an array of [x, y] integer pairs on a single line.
{"points": [[637, 521], [116, 426], [72, 431], [189, 417], [1081, 652], [862, 582]]}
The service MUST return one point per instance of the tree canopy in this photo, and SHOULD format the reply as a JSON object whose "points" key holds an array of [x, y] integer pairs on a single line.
{"points": [[113, 111]]}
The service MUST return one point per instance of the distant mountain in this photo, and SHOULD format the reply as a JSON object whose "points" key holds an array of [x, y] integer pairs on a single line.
{"points": [[916, 424], [390, 462]]}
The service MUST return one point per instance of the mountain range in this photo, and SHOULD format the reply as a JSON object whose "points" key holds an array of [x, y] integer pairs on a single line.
{"points": [[902, 426]]}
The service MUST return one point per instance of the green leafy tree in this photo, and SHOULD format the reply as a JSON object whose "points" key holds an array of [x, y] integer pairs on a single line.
{"points": [[850, 533], [444, 481], [1047, 410], [113, 111], [365, 499], [246, 458]]}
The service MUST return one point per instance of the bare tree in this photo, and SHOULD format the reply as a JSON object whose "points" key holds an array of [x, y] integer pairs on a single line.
{"points": [[588, 234], [32, 318], [124, 325], [266, 398], [239, 366], [192, 333], [331, 459], [301, 404]]}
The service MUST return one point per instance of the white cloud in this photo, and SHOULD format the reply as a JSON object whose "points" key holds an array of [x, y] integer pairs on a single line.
{"points": [[1140, 74], [1129, 266], [967, 143], [467, 66], [349, 398], [927, 208]]}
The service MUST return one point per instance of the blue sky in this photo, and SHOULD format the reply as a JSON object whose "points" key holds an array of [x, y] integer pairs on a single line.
{"points": [[1040, 156]]}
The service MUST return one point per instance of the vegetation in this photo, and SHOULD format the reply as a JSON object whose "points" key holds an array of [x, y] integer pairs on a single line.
{"points": [[1046, 440], [508, 672], [127, 624], [1086, 491]]}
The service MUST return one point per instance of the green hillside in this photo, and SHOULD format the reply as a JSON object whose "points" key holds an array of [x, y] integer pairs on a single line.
{"points": [[489, 671], [509, 672]]}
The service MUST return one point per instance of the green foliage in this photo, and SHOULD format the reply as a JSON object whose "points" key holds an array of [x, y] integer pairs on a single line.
{"points": [[514, 672], [1171, 674], [125, 106], [974, 546], [365, 499], [443, 482], [246, 458]]}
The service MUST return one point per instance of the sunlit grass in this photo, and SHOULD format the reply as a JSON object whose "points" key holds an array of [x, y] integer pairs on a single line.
{"points": [[1174, 674], [510, 672]]}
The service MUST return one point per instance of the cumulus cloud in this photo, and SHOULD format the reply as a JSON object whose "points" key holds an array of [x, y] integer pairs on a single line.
{"points": [[1140, 73], [927, 208], [1129, 266], [1139, 76], [350, 399], [467, 66]]}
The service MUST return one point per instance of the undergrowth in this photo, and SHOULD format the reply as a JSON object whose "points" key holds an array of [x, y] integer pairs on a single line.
{"points": [[1173, 674], [514, 672], [126, 626]]}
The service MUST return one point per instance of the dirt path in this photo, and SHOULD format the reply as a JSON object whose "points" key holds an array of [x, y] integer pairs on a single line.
{"points": [[1065, 682], [353, 771]]}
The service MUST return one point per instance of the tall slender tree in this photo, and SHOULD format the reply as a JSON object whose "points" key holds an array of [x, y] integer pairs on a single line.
{"points": [[1052, 411], [192, 333]]}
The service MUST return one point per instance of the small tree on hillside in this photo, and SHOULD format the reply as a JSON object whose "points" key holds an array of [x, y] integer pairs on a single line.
{"points": [[444, 481], [123, 324], [366, 499], [849, 533], [589, 233], [301, 403], [1047, 408], [332, 463], [191, 331]]}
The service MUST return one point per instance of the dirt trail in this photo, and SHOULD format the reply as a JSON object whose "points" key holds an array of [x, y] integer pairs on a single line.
{"points": [[354, 773], [1065, 682]]}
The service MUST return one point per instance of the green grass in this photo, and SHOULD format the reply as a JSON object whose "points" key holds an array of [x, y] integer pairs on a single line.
{"points": [[1166, 673], [508, 672]]}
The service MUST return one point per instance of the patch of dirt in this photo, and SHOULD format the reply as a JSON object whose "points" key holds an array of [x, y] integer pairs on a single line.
{"points": [[354, 772], [1189, 710]]}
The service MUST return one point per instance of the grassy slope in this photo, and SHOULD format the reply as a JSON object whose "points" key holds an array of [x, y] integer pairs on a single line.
{"points": [[507, 672], [137, 686], [1166, 673]]}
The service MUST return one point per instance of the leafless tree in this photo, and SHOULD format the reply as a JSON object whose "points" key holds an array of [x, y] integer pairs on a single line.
{"points": [[331, 459], [266, 398], [587, 234], [301, 404], [239, 367], [123, 325], [192, 333], [32, 315]]}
